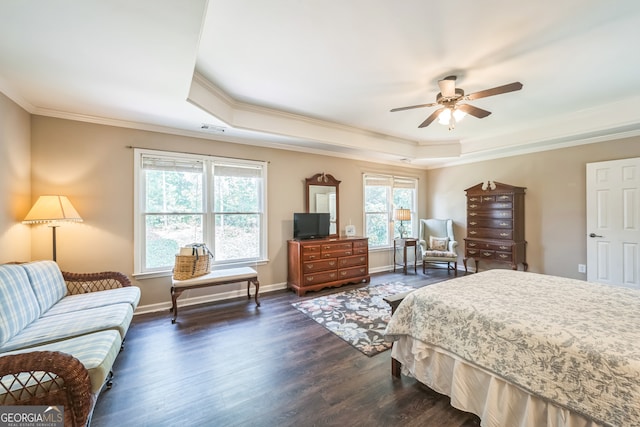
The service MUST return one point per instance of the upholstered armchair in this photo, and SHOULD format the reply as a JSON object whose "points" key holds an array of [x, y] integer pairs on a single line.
{"points": [[437, 243]]}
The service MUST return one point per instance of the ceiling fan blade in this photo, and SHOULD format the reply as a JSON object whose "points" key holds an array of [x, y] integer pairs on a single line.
{"points": [[413, 106], [473, 111], [448, 86], [432, 117], [511, 87]]}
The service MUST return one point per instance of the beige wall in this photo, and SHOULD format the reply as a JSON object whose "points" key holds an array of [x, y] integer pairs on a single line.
{"points": [[555, 201], [15, 181], [92, 166]]}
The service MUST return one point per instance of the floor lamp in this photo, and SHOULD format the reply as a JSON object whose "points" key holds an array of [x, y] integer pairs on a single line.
{"points": [[52, 210]]}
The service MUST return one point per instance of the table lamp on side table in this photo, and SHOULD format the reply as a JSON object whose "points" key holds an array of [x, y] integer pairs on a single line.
{"points": [[402, 215]]}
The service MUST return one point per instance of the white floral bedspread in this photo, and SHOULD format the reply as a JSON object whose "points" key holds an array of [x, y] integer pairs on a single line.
{"points": [[567, 341]]}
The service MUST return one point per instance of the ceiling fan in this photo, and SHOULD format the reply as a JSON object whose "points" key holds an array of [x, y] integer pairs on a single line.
{"points": [[450, 99]]}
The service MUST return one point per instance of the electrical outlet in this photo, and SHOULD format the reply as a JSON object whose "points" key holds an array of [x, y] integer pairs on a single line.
{"points": [[582, 268]]}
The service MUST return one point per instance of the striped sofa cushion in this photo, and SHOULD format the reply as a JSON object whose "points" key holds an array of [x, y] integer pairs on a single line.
{"points": [[47, 282], [63, 326], [129, 294], [18, 304], [96, 352]]}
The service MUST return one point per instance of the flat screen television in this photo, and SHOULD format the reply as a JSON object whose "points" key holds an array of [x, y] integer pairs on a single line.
{"points": [[310, 225]]}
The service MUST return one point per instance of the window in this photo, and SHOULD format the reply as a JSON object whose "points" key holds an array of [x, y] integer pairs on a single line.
{"points": [[383, 194], [184, 198]]}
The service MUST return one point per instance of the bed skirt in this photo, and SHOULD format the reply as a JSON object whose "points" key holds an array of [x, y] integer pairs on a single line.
{"points": [[472, 389]]}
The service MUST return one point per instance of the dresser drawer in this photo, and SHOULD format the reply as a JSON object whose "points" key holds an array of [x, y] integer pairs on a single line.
{"points": [[310, 253], [504, 256], [500, 248], [360, 244], [331, 247], [490, 233], [479, 253], [336, 254], [479, 245], [347, 273], [489, 205], [351, 261], [489, 223], [497, 214], [320, 265], [471, 252], [315, 278], [360, 250]]}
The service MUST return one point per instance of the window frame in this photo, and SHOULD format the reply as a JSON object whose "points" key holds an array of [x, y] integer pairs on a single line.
{"points": [[392, 227], [208, 214]]}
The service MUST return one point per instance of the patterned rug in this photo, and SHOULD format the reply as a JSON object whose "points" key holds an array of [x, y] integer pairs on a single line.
{"points": [[358, 316]]}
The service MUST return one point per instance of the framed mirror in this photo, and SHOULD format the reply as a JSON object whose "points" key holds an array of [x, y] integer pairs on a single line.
{"points": [[323, 197]]}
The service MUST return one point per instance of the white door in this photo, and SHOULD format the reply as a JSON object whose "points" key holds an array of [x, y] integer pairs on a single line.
{"points": [[613, 222]]}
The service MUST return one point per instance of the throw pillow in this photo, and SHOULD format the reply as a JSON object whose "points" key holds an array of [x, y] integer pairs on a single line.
{"points": [[438, 243]]}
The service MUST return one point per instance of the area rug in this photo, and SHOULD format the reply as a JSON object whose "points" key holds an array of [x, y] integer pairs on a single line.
{"points": [[358, 316]]}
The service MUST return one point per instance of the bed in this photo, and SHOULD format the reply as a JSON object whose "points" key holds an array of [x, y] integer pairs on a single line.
{"points": [[525, 349]]}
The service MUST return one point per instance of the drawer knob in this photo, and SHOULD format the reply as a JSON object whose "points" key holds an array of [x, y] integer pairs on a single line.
{"points": [[472, 244], [472, 214], [473, 223], [486, 253], [473, 232], [473, 206], [504, 256], [504, 234], [504, 224]]}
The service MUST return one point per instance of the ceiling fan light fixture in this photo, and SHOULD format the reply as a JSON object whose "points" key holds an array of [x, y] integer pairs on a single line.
{"points": [[444, 118]]}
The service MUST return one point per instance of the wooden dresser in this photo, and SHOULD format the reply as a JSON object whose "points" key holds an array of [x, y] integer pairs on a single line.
{"points": [[495, 225], [318, 264]]}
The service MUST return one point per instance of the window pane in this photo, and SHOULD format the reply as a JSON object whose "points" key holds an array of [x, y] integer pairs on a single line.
{"points": [[190, 198], [403, 198], [375, 198], [237, 236], [173, 191], [166, 234], [236, 194], [377, 226]]}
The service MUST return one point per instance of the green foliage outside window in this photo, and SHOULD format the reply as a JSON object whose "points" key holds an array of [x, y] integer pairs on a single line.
{"points": [[178, 209]]}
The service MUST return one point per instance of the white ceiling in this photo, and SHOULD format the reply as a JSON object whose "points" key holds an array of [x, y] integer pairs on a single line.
{"points": [[321, 76]]}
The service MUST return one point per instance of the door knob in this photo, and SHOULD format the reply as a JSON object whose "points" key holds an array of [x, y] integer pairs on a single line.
{"points": [[594, 235]]}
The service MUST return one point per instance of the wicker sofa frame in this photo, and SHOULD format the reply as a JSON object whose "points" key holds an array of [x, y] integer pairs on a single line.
{"points": [[48, 378], [55, 378]]}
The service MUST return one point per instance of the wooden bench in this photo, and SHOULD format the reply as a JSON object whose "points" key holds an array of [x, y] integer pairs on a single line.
{"points": [[394, 301], [215, 278]]}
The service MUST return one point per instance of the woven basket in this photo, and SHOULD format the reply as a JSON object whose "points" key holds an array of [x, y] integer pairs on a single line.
{"points": [[190, 266]]}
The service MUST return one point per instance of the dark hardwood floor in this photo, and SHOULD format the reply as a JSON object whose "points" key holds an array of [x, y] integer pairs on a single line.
{"points": [[232, 364]]}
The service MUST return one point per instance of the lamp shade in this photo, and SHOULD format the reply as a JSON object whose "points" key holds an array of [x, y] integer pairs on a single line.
{"points": [[52, 209], [402, 214]]}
